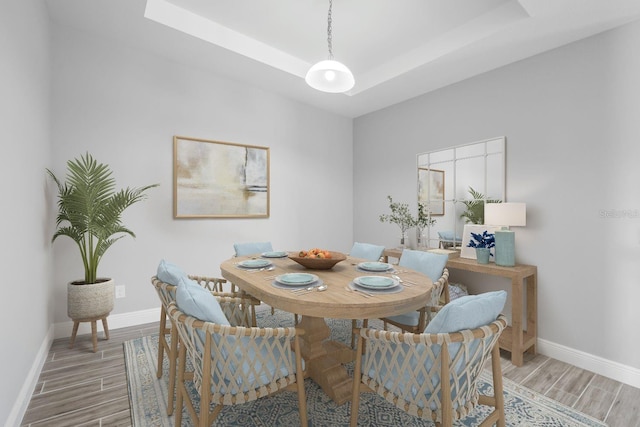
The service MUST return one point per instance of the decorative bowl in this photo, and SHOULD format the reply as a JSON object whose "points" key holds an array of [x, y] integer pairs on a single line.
{"points": [[319, 263]]}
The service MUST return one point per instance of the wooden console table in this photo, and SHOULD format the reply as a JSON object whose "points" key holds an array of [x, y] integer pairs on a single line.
{"points": [[514, 338]]}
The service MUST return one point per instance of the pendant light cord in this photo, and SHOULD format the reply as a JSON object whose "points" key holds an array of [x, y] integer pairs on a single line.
{"points": [[329, 30]]}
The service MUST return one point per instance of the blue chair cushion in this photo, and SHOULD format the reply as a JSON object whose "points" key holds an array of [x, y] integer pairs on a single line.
{"points": [[474, 311], [251, 364], [252, 248], [468, 312], [425, 262], [366, 251], [194, 300], [170, 273], [409, 319], [448, 236], [197, 302]]}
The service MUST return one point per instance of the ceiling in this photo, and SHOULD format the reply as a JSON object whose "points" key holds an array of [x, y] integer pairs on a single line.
{"points": [[396, 49]]}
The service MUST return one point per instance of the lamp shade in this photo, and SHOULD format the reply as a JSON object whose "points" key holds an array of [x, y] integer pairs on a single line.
{"points": [[505, 214], [330, 76]]}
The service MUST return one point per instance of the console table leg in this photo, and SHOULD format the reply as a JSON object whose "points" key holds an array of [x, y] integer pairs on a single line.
{"points": [[532, 309], [516, 322]]}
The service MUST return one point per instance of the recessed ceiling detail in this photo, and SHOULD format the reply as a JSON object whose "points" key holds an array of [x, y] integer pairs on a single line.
{"points": [[374, 66], [396, 49]]}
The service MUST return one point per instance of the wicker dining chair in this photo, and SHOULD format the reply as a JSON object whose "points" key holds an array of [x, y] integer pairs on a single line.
{"points": [[233, 365], [407, 370], [369, 252], [245, 316], [415, 321], [251, 248], [432, 265]]}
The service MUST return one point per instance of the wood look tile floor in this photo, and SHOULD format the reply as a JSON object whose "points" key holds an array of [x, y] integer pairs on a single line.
{"points": [[80, 388]]}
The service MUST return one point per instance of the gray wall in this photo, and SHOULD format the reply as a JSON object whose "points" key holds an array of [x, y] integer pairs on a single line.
{"points": [[26, 313], [571, 121], [125, 106]]}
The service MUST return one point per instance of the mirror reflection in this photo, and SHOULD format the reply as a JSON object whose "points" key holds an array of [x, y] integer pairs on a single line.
{"points": [[454, 184]]}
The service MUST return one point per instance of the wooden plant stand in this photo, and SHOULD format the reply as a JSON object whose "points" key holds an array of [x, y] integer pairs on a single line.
{"points": [[94, 330]]}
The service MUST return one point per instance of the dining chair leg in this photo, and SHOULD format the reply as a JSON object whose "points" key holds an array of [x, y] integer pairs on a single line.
{"points": [[355, 392], [173, 356], [180, 385], [161, 340], [302, 402], [496, 369], [354, 325]]}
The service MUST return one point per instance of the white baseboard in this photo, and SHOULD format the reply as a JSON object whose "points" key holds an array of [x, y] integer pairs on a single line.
{"points": [[115, 321], [607, 368], [22, 402]]}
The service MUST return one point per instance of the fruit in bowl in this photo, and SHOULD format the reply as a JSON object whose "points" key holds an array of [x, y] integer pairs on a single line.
{"points": [[315, 253], [318, 259]]}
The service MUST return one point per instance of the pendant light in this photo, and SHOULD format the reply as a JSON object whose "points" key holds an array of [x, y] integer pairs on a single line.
{"points": [[330, 75]]}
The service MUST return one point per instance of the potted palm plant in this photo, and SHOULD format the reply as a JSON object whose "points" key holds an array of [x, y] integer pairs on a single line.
{"points": [[90, 213], [474, 213]]}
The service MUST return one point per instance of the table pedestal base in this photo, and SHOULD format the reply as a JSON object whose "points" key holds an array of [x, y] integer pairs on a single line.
{"points": [[324, 359]]}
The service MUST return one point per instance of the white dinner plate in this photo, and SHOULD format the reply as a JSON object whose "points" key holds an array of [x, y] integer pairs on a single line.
{"points": [[296, 279], [255, 263], [375, 266], [392, 290], [274, 254], [375, 282], [279, 285]]}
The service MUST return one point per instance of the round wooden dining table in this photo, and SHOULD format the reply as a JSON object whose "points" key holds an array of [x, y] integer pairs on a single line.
{"points": [[324, 359]]}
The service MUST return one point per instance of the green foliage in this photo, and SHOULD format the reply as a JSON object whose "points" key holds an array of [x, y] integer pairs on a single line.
{"points": [[90, 210], [475, 207], [423, 220], [400, 215]]}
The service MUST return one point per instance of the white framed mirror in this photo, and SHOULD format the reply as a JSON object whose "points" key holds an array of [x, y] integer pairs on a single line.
{"points": [[454, 183]]}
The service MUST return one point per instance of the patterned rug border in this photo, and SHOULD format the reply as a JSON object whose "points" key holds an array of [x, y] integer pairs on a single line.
{"points": [[148, 399]]}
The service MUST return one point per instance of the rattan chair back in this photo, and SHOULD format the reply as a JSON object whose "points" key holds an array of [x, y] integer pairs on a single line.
{"points": [[242, 316], [407, 370], [234, 364], [426, 313]]}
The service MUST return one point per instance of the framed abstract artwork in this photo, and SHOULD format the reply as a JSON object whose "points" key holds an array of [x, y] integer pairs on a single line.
{"points": [[431, 190], [214, 179]]}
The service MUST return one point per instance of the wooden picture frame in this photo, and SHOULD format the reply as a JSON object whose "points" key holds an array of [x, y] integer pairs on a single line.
{"points": [[431, 190], [215, 179]]}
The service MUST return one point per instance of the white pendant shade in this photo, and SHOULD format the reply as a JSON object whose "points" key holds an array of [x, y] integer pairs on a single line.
{"points": [[330, 76]]}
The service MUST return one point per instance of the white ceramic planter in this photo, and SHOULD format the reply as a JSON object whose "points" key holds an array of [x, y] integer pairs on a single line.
{"points": [[90, 301]]}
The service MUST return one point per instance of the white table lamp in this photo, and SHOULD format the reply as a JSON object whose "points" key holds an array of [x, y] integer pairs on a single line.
{"points": [[505, 215]]}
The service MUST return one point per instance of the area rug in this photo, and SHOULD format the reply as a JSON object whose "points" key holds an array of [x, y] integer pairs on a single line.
{"points": [[148, 397]]}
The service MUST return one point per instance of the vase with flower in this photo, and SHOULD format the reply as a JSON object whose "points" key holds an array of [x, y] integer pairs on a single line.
{"points": [[483, 244], [422, 222], [400, 216]]}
